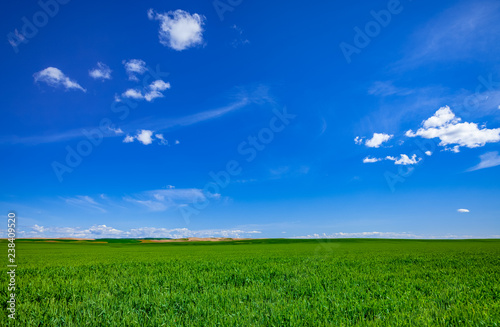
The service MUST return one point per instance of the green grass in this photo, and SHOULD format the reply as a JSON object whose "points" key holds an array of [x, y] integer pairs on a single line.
{"points": [[257, 283]]}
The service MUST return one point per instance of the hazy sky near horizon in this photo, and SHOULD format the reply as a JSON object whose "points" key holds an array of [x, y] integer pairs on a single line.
{"points": [[251, 118]]}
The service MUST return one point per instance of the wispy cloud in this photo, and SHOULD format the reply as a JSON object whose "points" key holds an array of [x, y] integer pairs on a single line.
{"points": [[488, 160], [387, 88], [157, 125], [86, 202], [55, 78], [163, 199], [467, 30]]}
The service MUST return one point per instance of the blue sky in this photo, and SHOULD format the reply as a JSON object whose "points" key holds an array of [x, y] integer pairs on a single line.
{"points": [[251, 119]]}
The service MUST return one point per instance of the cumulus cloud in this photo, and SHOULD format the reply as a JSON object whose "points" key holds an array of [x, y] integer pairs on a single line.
{"points": [[391, 235], [489, 159], [151, 92], [370, 160], [451, 131], [134, 67], [463, 210], [128, 139], [147, 137], [133, 93], [377, 140], [361, 235], [102, 71], [403, 159], [104, 231], [179, 29], [428, 153], [56, 78]]}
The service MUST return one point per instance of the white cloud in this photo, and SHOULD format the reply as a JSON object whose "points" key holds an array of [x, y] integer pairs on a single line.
{"points": [[101, 72], [161, 139], [428, 153], [358, 140], [443, 116], [151, 92], [489, 159], [401, 235], [128, 139], [361, 235], [133, 93], [404, 159], [159, 85], [179, 29], [448, 128], [455, 149], [370, 160], [377, 140], [134, 67], [104, 231], [54, 77], [463, 210], [145, 137], [117, 131]]}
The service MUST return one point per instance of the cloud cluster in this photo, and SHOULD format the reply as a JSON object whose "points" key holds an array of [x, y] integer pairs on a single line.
{"points": [[56, 78], [451, 131], [463, 210], [104, 231], [147, 137], [179, 29], [151, 92], [403, 159], [361, 235], [102, 72], [401, 235]]}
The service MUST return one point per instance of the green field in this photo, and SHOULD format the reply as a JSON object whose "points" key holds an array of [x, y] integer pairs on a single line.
{"points": [[257, 283]]}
